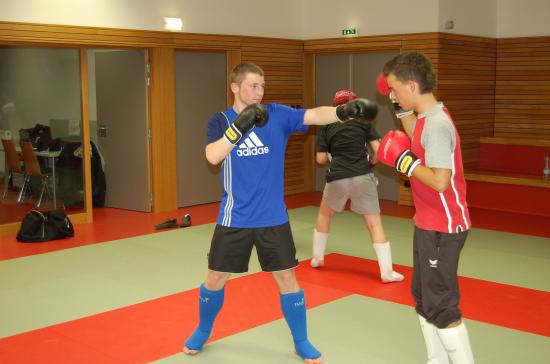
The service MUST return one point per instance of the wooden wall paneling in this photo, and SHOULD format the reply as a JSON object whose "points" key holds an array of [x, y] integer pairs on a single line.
{"points": [[108, 37], [309, 102], [353, 44], [283, 63], [466, 84], [404, 196], [163, 125], [309, 159], [522, 96], [233, 58], [299, 168], [71, 35], [205, 41], [427, 43], [309, 80]]}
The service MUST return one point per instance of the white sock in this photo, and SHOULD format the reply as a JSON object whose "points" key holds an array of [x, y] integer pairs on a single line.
{"points": [[456, 342], [319, 246], [434, 348], [383, 254]]}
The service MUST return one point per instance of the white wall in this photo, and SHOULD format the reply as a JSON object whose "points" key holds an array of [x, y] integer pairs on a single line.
{"points": [[279, 18], [296, 19], [470, 17], [523, 18], [327, 18]]}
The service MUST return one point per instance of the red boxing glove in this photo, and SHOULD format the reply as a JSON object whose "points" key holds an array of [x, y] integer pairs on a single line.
{"points": [[382, 85], [395, 151]]}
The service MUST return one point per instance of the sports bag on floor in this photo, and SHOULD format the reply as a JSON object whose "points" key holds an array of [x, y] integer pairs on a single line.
{"points": [[38, 226]]}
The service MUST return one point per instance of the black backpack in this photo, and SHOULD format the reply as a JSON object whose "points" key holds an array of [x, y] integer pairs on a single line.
{"points": [[38, 226]]}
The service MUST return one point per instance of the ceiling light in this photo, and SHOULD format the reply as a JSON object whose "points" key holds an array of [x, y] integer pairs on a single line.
{"points": [[174, 24]]}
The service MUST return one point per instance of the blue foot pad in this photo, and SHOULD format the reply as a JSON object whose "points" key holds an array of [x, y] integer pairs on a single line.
{"points": [[197, 340], [306, 350]]}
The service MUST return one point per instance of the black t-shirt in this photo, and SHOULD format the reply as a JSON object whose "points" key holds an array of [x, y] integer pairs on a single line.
{"points": [[346, 143]]}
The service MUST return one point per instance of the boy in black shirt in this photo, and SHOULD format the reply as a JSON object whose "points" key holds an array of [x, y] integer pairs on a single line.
{"points": [[350, 176]]}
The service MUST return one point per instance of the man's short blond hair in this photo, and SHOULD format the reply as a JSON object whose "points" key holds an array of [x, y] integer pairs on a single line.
{"points": [[239, 71]]}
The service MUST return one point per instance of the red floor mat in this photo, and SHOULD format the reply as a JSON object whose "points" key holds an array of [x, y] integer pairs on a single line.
{"points": [[158, 328], [154, 329], [494, 303]]}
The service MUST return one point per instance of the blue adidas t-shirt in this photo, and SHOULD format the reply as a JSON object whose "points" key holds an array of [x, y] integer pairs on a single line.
{"points": [[253, 173]]}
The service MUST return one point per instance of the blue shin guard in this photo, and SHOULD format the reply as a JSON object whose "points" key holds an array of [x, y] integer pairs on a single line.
{"points": [[210, 303], [294, 310]]}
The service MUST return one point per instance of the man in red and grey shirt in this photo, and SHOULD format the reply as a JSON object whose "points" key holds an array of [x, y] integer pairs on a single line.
{"points": [[432, 159], [436, 143]]}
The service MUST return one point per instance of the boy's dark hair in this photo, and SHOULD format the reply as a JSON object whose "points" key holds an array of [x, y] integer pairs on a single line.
{"points": [[412, 66], [239, 71]]}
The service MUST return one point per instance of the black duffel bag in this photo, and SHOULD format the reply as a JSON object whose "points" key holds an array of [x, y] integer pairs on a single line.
{"points": [[38, 226]]}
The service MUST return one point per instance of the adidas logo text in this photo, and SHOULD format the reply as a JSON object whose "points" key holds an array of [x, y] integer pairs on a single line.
{"points": [[251, 146]]}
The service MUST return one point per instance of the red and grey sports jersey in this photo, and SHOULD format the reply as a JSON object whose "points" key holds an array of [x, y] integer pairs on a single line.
{"points": [[440, 211]]}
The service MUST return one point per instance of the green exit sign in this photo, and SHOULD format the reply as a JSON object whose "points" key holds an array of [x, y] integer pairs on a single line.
{"points": [[349, 31]]}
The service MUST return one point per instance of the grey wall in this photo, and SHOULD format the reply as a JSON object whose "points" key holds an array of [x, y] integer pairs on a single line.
{"points": [[200, 92]]}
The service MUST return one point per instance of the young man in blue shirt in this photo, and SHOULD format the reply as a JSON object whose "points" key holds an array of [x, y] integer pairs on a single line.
{"points": [[249, 140]]}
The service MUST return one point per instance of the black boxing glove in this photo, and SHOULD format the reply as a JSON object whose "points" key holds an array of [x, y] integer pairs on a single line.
{"points": [[252, 115], [360, 109]]}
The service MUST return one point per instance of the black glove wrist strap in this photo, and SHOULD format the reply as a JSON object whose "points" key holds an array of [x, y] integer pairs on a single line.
{"points": [[233, 135]]}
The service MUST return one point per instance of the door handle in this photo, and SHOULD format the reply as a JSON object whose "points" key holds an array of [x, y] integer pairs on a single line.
{"points": [[102, 131]]}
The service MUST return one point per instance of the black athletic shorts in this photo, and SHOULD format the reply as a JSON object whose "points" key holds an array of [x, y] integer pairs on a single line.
{"points": [[231, 248]]}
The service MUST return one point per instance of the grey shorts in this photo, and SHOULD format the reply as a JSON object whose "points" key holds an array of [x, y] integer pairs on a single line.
{"points": [[361, 190]]}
